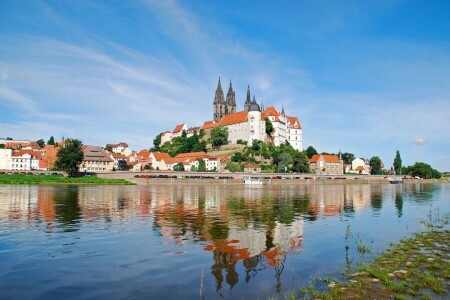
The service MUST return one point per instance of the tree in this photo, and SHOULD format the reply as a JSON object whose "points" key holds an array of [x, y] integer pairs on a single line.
{"points": [[201, 165], [219, 136], [269, 126], [108, 148], [157, 142], [398, 163], [424, 170], [51, 141], [284, 160], [310, 151], [375, 166], [178, 167], [41, 143], [348, 157], [70, 156], [233, 167], [300, 163], [237, 157], [2, 146]]}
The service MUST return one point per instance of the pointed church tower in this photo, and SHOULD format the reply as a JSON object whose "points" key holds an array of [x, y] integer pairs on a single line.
{"points": [[231, 101], [219, 103], [247, 101]]}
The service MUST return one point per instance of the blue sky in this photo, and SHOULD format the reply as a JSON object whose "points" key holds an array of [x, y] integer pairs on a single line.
{"points": [[367, 77]]}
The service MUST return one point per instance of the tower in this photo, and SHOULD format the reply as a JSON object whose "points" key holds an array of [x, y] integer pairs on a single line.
{"points": [[257, 127], [247, 101], [219, 103], [231, 101]]}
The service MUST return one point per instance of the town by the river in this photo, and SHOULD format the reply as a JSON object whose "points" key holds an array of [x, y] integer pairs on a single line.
{"points": [[199, 241]]}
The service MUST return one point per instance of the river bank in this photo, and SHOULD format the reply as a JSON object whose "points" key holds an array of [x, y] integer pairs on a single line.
{"points": [[417, 267], [59, 180]]}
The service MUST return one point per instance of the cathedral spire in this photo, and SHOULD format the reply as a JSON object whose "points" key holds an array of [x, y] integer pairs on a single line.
{"points": [[247, 101], [231, 101], [219, 98]]}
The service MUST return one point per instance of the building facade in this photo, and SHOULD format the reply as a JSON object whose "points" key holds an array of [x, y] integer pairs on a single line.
{"points": [[323, 164]]}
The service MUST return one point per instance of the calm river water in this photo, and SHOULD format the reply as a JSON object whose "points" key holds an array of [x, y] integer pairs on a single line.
{"points": [[197, 242]]}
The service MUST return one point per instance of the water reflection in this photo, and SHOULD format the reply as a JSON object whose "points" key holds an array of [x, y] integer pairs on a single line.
{"points": [[243, 230]]}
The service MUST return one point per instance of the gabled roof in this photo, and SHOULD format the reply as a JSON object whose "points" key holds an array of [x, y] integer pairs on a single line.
{"points": [[270, 112], [328, 158], [161, 156], [360, 168], [178, 128], [209, 125], [33, 154], [293, 122], [95, 153], [234, 118], [118, 156], [252, 166]]}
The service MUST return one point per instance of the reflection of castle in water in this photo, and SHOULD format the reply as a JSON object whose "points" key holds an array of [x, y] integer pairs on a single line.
{"points": [[255, 227]]}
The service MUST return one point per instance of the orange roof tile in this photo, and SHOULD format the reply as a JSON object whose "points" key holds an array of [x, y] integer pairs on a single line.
{"points": [[161, 155], [209, 125], [326, 157], [178, 128], [252, 166], [270, 112], [234, 118], [293, 122], [360, 168]]}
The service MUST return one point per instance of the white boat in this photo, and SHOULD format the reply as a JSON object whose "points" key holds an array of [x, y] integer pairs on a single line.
{"points": [[252, 180], [395, 180]]}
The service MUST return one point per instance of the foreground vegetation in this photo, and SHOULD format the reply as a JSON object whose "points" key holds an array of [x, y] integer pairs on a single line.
{"points": [[418, 267], [54, 179]]}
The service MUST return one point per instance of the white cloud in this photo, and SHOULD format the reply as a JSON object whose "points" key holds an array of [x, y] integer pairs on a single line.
{"points": [[421, 140]]}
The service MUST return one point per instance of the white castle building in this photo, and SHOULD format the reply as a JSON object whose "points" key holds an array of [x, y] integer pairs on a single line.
{"points": [[247, 125]]}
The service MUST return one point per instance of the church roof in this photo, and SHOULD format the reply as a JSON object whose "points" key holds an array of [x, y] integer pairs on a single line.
{"points": [[234, 118]]}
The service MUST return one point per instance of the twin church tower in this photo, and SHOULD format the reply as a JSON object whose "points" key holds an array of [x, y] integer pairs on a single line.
{"points": [[224, 107]]}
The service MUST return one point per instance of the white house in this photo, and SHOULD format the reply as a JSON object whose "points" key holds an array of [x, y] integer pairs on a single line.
{"points": [[5, 159]]}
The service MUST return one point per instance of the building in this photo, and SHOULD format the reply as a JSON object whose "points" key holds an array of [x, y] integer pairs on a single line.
{"points": [[360, 166], [325, 164], [252, 168], [96, 159], [48, 159], [247, 125], [5, 159], [120, 148], [25, 160]]}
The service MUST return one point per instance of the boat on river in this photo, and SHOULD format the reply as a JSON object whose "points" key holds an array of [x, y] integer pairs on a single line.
{"points": [[395, 180], [252, 180]]}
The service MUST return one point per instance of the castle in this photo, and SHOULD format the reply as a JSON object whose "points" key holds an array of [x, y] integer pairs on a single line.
{"points": [[247, 125]]}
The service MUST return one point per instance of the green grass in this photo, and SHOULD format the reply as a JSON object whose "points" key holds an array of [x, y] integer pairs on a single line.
{"points": [[53, 179], [414, 268]]}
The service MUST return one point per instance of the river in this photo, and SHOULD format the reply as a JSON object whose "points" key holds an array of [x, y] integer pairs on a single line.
{"points": [[198, 242]]}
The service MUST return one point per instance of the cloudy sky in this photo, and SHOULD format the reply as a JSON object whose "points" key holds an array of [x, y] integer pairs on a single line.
{"points": [[367, 77]]}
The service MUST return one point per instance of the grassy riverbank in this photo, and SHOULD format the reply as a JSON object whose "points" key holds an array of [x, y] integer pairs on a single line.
{"points": [[53, 179], [415, 268]]}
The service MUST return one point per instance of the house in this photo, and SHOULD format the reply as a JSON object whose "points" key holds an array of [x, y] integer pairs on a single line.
{"points": [[159, 160], [360, 166], [25, 160], [252, 168], [179, 130], [166, 137], [48, 159], [326, 164], [5, 159], [96, 159], [120, 148], [119, 159], [279, 125]]}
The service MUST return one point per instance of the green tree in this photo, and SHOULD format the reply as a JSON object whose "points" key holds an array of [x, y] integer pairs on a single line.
{"points": [[51, 141], [375, 166], [219, 136], [348, 157], [310, 151], [69, 156], [41, 143], [157, 142], [233, 167], [201, 165], [269, 126], [237, 157], [284, 160], [178, 167], [300, 163], [108, 148], [398, 163], [424, 170], [2, 146]]}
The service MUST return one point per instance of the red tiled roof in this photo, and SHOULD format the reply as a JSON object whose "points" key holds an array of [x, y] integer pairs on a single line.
{"points": [[178, 128], [293, 122], [326, 157], [252, 166], [234, 118], [360, 168], [160, 156], [209, 125], [118, 156], [272, 112]]}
